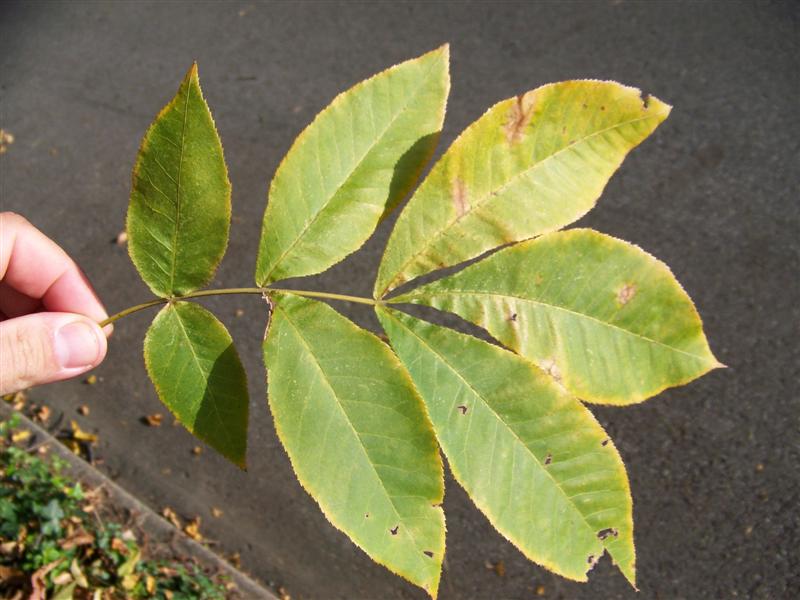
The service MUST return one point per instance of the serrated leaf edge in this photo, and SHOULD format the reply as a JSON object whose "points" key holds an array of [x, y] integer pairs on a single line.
{"points": [[445, 51], [418, 296], [437, 502], [459, 478], [393, 282], [191, 75], [241, 463]]}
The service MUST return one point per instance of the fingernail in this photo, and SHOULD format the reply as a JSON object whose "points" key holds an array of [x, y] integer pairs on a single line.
{"points": [[76, 345]]}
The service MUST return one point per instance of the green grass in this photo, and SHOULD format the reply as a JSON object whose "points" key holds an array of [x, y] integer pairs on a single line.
{"points": [[53, 539]]}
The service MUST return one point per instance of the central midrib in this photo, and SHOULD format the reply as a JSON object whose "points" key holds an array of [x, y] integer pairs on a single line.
{"points": [[479, 202], [178, 191], [210, 391], [506, 426], [547, 306], [329, 385], [377, 140]]}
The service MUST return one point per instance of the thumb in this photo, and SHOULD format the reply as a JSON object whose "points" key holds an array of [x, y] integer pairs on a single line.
{"points": [[44, 347]]}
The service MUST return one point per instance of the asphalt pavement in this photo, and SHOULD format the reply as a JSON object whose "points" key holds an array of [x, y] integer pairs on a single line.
{"points": [[714, 193]]}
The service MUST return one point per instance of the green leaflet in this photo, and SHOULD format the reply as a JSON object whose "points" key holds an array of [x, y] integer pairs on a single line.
{"points": [[191, 359], [358, 436], [530, 165], [180, 207], [606, 319], [532, 458], [356, 161]]}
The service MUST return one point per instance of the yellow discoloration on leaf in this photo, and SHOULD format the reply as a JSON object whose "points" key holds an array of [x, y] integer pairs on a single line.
{"points": [[518, 416], [612, 324], [378, 427], [532, 164]]}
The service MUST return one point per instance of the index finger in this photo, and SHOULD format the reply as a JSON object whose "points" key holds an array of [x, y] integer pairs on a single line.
{"points": [[34, 265]]}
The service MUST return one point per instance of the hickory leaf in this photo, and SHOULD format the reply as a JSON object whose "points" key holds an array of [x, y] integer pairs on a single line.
{"points": [[180, 207], [606, 319], [354, 163], [197, 373], [532, 458], [357, 436], [530, 165], [582, 316]]}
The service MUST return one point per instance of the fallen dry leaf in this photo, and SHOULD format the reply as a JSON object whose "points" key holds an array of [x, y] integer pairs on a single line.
{"points": [[192, 529], [118, 545], [122, 238], [16, 400], [236, 560], [216, 512], [20, 436], [498, 567], [63, 578], [540, 590], [90, 380], [38, 586], [81, 538], [197, 450], [154, 420], [41, 414], [6, 139], [80, 435], [83, 410], [170, 516]]}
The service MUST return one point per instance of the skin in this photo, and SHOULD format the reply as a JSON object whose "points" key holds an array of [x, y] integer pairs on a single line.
{"points": [[48, 310]]}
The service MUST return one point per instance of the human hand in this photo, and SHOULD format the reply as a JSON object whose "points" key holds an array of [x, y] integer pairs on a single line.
{"points": [[48, 310]]}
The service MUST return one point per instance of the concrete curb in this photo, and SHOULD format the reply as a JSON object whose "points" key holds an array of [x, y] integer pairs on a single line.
{"points": [[147, 520]]}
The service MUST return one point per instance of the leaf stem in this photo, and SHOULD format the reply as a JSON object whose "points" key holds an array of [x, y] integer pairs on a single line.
{"points": [[227, 291]]}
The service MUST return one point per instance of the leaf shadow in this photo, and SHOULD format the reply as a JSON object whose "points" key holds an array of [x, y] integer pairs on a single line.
{"points": [[221, 418], [408, 169]]}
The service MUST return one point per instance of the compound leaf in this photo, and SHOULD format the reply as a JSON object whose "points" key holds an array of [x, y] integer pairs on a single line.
{"points": [[530, 165], [180, 207], [356, 161], [197, 373], [358, 437], [532, 458], [608, 320]]}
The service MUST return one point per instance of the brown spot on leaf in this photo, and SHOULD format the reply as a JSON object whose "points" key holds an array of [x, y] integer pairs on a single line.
{"points": [[428, 553], [394, 530], [645, 101], [626, 294], [604, 442], [366, 516], [519, 117], [460, 202], [513, 317], [602, 108], [548, 459], [590, 560], [606, 533], [463, 409]]}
